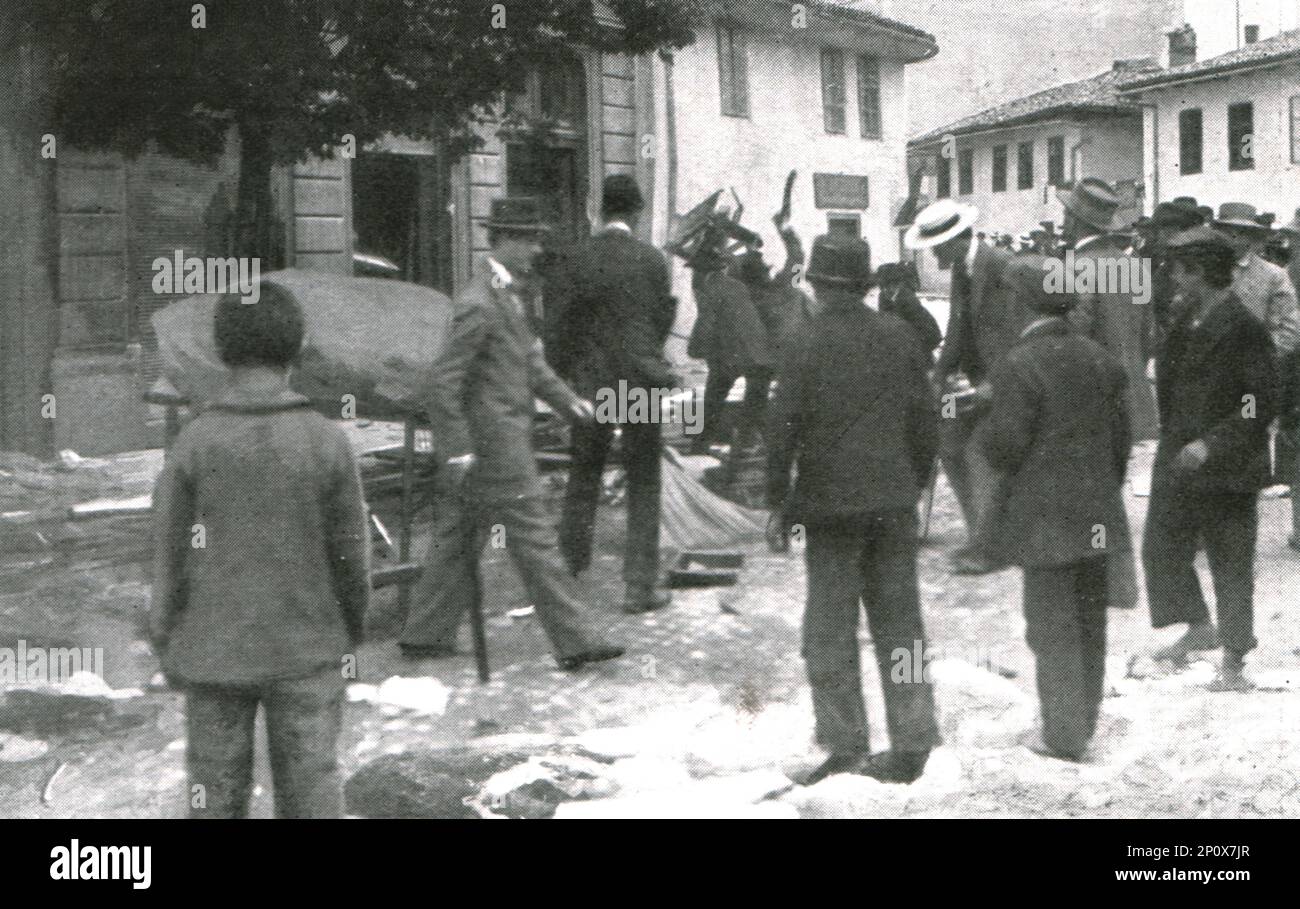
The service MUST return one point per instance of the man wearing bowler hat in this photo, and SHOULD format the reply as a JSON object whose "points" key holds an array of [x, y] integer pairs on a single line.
{"points": [[612, 310], [1059, 430], [1168, 219], [481, 410], [853, 415], [983, 323]]}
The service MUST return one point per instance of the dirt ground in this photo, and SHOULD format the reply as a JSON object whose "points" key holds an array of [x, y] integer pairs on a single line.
{"points": [[714, 688]]}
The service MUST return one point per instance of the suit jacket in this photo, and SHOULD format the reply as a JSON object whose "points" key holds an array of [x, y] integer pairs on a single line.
{"points": [[280, 587], [902, 302], [1122, 326], [729, 332], [483, 388], [1203, 377], [1059, 431], [984, 319], [1266, 291], [854, 413], [610, 309]]}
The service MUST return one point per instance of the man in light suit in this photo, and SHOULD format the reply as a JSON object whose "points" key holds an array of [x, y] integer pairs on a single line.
{"points": [[1262, 287], [984, 322]]}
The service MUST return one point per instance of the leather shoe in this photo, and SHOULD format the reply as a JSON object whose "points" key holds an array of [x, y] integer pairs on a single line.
{"points": [[1197, 637], [645, 599], [896, 766], [594, 655], [849, 762]]}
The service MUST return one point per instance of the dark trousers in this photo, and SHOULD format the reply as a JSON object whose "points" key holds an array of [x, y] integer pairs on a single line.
{"points": [[451, 581], [979, 487], [1065, 625], [872, 563], [753, 410], [642, 452], [303, 718], [1177, 521]]}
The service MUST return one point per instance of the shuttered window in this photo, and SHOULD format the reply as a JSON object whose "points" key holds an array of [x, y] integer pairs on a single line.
{"points": [[1190, 141], [733, 70], [834, 94], [869, 115]]}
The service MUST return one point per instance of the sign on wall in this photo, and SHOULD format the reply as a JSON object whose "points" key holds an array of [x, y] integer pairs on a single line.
{"points": [[840, 191]]}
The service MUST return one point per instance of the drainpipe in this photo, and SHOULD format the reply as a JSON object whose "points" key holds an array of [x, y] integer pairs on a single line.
{"points": [[670, 116]]}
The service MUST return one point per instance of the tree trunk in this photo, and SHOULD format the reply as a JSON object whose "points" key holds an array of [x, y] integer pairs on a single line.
{"points": [[258, 229]]}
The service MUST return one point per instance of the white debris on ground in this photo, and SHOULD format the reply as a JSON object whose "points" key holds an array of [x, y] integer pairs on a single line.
{"points": [[422, 695], [83, 684], [713, 761], [16, 749]]}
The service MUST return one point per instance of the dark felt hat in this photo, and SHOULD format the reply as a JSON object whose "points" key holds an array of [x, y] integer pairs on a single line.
{"points": [[840, 261], [1200, 239], [1177, 215], [621, 193], [522, 214], [1239, 214]]}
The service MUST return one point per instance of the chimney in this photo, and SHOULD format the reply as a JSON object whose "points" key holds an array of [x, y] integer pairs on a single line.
{"points": [[1182, 46]]}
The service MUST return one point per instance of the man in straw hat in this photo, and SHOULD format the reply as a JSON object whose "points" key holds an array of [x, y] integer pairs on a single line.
{"points": [[854, 417], [984, 321], [483, 387], [1216, 386], [1059, 430]]}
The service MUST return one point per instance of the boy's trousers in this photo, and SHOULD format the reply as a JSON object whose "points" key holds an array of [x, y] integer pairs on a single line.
{"points": [[303, 718]]}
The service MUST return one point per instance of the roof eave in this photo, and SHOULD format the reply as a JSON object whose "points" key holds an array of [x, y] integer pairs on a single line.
{"points": [[1169, 79], [1044, 116]]}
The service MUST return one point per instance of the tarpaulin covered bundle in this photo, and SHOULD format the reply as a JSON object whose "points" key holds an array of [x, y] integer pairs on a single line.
{"points": [[371, 338]]}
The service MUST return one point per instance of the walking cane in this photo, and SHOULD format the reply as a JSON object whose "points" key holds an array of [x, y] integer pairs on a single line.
{"points": [[929, 500], [477, 630]]}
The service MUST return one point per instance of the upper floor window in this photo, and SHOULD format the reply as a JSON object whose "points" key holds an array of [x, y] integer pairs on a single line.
{"points": [[1056, 161], [869, 115], [999, 168], [943, 178], [966, 171], [1190, 141], [834, 94], [1025, 168], [733, 70], [1241, 136]]}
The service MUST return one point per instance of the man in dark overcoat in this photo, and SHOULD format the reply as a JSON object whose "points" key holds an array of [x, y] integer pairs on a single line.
{"points": [[853, 415], [1216, 385], [610, 310], [1059, 433]]}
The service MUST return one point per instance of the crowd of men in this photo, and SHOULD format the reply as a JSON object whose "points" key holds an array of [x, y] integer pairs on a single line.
{"points": [[1032, 407]]}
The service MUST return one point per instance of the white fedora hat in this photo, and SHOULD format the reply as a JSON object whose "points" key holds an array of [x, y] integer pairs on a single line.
{"points": [[938, 223]]}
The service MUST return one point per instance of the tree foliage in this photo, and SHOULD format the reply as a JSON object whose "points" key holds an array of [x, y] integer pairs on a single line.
{"points": [[296, 76]]}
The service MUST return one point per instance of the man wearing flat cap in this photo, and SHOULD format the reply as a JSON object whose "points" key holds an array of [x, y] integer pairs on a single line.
{"points": [[611, 309], [1060, 432], [854, 418], [984, 321], [1216, 384], [481, 410]]}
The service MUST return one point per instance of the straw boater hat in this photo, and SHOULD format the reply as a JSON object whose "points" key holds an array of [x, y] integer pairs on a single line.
{"points": [[940, 222], [1239, 214], [1093, 202]]}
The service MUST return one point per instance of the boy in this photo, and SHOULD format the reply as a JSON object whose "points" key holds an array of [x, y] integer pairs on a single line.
{"points": [[261, 578]]}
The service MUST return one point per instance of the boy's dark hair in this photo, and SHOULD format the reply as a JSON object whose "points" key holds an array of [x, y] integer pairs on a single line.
{"points": [[620, 197], [266, 333], [1215, 262]]}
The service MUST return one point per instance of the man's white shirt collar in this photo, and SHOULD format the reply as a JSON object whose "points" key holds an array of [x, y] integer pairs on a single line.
{"points": [[971, 253], [1086, 242], [501, 272], [618, 225]]}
